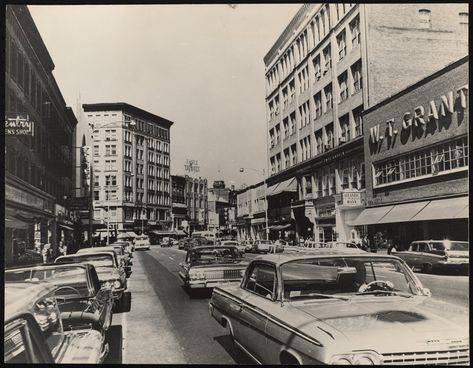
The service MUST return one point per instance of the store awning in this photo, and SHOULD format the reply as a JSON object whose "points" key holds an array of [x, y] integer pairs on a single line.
{"points": [[464, 213], [403, 212], [14, 223], [280, 227], [289, 185], [65, 226], [371, 215], [443, 209]]}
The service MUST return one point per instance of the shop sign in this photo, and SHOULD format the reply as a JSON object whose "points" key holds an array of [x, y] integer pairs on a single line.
{"points": [[79, 203], [351, 198], [421, 116], [27, 199], [19, 124]]}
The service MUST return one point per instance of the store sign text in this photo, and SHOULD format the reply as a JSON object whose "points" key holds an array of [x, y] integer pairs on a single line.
{"points": [[420, 117], [19, 125]]}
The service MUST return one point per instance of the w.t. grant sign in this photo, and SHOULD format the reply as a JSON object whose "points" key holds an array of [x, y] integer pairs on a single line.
{"points": [[18, 124]]}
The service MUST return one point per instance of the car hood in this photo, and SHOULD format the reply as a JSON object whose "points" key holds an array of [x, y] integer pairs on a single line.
{"points": [[371, 324], [107, 273], [222, 265]]}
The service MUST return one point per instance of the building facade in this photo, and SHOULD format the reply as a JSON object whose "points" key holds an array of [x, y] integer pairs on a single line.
{"points": [[250, 212], [131, 167], [38, 166], [332, 62], [222, 205], [179, 206], [416, 155], [196, 197]]}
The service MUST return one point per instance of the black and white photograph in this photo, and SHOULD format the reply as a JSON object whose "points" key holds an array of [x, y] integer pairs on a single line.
{"points": [[236, 184]]}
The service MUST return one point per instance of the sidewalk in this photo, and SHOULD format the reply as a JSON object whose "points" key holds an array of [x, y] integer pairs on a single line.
{"points": [[147, 333]]}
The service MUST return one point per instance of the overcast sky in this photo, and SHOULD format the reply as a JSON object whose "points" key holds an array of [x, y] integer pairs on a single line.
{"points": [[200, 66]]}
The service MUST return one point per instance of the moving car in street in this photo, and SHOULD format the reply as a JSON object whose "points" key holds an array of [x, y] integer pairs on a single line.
{"points": [[108, 270], [248, 244], [339, 306], [142, 242], [81, 299], [123, 261], [262, 246], [279, 244], [209, 235], [210, 266], [241, 248], [435, 255], [33, 331]]}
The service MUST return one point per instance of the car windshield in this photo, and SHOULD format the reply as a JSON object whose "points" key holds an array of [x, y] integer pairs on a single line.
{"points": [[99, 260], [67, 279], [459, 246], [213, 255], [328, 277], [265, 242]]}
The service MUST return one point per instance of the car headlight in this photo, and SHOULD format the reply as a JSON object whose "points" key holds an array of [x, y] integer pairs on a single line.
{"points": [[196, 275], [117, 284], [358, 358], [107, 284]]}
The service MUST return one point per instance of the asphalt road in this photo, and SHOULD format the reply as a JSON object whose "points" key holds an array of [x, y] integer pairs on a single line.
{"points": [[165, 325]]}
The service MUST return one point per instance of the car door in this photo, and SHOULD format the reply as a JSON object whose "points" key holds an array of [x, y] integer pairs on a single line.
{"points": [[423, 255], [410, 256], [260, 290]]}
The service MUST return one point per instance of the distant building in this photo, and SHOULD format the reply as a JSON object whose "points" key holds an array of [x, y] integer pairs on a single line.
{"points": [[250, 212], [332, 62], [417, 182], [179, 206], [222, 204], [196, 197], [38, 167], [131, 161]]}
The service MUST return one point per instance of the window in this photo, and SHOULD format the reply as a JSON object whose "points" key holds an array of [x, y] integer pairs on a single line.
{"points": [[96, 150], [343, 86], [292, 91], [110, 180], [272, 138], [432, 161], [287, 158], [292, 123], [304, 114], [329, 135], [262, 281], [110, 149], [463, 22], [110, 135], [110, 165], [317, 67], [96, 195], [344, 128], [358, 121], [285, 97], [327, 59], [286, 127], [355, 31], [424, 18], [319, 141], [308, 185], [318, 105], [328, 97], [357, 77], [342, 46], [293, 154]]}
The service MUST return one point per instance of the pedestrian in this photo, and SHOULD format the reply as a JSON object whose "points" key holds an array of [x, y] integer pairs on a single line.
{"points": [[365, 242], [62, 248], [45, 252]]}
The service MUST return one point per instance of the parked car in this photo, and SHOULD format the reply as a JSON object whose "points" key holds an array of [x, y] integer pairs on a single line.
{"points": [[434, 255], [248, 245], [126, 245], [28, 258], [33, 331], [82, 301], [241, 248], [117, 249], [209, 235], [142, 242], [210, 266], [339, 306], [108, 270], [261, 246], [182, 243]]}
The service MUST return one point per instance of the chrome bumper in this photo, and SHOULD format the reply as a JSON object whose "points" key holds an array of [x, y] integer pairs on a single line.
{"points": [[203, 284]]}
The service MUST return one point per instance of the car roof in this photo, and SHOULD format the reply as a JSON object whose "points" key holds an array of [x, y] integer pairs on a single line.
{"points": [[212, 247], [110, 253], [281, 258], [439, 241], [20, 296], [49, 266], [96, 250]]}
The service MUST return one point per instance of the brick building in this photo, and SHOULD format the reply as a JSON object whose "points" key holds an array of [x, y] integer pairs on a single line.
{"points": [[38, 167], [131, 167], [332, 62], [416, 155]]}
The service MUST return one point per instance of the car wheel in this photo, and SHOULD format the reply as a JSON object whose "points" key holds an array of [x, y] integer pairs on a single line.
{"points": [[427, 268]]}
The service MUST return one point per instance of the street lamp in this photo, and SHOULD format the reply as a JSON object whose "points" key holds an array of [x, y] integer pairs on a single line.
{"points": [[262, 172]]}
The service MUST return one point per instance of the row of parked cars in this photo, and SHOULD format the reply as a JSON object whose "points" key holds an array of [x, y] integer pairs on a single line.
{"points": [[331, 304], [61, 312]]}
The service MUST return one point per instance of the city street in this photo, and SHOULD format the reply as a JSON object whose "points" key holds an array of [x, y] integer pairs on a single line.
{"points": [[167, 326]]}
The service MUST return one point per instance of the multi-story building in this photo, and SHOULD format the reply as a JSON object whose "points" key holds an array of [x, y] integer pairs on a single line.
{"points": [[179, 206], [196, 197], [331, 63], [38, 166], [250, 212], [131, 161], [416, 154], [222, 204]]}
